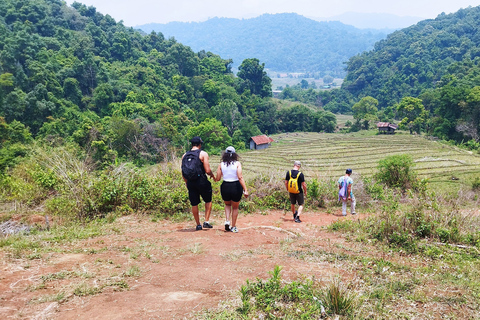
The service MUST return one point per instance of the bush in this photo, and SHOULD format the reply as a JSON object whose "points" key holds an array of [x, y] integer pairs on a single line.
{"points": [[274, 299], [396, 172]]}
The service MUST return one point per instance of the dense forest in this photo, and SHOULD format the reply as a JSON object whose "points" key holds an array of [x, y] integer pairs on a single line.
{"points": [[286, 42], [71, 75]]}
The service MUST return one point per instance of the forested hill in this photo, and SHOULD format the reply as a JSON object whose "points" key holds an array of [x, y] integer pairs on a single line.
{"points": [[285, 42], [73, 76], [414, 59]]}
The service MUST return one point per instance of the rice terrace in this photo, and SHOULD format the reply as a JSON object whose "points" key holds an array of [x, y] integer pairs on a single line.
{"points": [[411, 256]]}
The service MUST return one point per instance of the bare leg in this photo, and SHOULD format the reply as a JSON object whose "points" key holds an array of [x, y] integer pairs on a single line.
{"points": [[293, 208], [300, 209], [208, 210], [195, 214], [234, 213], [228, 210]]}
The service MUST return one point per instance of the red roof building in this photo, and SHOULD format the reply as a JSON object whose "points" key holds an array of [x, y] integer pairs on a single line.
{"points": [[386, 127], [260, 142]]}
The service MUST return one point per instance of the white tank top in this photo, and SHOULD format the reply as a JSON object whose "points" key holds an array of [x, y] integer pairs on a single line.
{"points": [[230, 172]]}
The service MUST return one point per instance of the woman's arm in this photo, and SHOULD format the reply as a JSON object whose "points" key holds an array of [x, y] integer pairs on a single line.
{"points": [[219, 173], [241, 180]]}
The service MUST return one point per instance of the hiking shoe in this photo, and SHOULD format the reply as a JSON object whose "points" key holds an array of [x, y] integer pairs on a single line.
{"points": [[207, 225], [295, 215], [199, 227], [227, 227], [297, 219], [354, 213], [234, 229]]}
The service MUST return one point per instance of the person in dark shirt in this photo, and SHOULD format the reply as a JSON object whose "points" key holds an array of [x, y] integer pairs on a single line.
{"points": [[200, 187], [296, 196]]}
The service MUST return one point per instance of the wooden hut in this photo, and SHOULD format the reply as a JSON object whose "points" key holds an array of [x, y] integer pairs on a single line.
{"points": [[386, 127], [260, 142]]}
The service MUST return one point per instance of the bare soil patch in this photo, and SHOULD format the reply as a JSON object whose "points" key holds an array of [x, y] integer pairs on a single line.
{"points": [[172, 271]]}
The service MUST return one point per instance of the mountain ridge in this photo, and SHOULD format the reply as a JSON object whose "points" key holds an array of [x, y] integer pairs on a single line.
{"points": [[284, 42]]}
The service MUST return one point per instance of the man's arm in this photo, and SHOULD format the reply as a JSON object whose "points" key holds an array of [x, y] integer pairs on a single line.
{"points": [[287, 177], [304, 186], [206, 165], [349, 190]]}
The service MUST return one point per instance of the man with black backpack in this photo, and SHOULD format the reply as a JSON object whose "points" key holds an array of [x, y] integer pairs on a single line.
{"points": [[195, 166], [295, 184]]}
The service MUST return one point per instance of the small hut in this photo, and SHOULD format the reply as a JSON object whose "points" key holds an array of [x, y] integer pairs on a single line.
{"points": [[260, 142], [386, 127]]}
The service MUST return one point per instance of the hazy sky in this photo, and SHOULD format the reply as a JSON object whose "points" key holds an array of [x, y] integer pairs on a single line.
{"points": [[137, 12]]}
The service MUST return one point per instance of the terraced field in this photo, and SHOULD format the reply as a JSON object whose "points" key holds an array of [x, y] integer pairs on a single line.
{"points": [[328, 155]]}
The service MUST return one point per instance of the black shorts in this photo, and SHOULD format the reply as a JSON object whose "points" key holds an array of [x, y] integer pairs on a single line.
{"points": [[201, 187], [231, 191], [297, 198]]}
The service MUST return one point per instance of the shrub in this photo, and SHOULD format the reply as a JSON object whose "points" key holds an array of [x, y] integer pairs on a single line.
{"points": [[396, 172], [275, 299], [476, 184]]}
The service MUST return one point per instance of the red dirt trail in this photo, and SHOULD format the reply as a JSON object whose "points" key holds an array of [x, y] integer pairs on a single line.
{"points": [[180, 271]]}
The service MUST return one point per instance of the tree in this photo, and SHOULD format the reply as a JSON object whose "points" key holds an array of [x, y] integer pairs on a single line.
{"points": [[255, 78], [213, 134], [227, 112], [413, 114], [365, 111], [327, 79]]}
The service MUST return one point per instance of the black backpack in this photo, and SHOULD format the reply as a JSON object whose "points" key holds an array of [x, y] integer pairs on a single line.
{"points": [[192, 166]]}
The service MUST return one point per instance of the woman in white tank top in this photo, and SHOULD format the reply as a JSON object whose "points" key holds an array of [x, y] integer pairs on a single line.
{"points": [[233, 186]]}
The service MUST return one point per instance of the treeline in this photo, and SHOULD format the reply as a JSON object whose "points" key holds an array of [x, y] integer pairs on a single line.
{"points": [[71, 75]]}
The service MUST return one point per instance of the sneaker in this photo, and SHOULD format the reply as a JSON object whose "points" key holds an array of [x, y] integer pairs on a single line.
{"points": [[234, 229], [207, 225], [295, 215], [199, 227], [297, 219], [227, 226], [354, 213]]}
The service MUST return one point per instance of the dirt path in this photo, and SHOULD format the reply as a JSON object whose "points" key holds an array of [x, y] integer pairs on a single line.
{"points": [[170, 269]]}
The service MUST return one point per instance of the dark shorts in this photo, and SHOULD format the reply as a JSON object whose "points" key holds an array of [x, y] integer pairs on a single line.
{"points": [[201, 187], [231, 191], [297, 198]]}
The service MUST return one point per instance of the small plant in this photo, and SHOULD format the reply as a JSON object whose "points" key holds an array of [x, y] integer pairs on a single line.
{"points": [[83, 289], [133, 271], [338, 300]]}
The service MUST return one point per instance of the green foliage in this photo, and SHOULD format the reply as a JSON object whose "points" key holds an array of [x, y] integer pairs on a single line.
{"points": [[365, 112], [413, 114], [273, 299], [396, 172], [254, 78], [476, 184], [213, 134]]}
